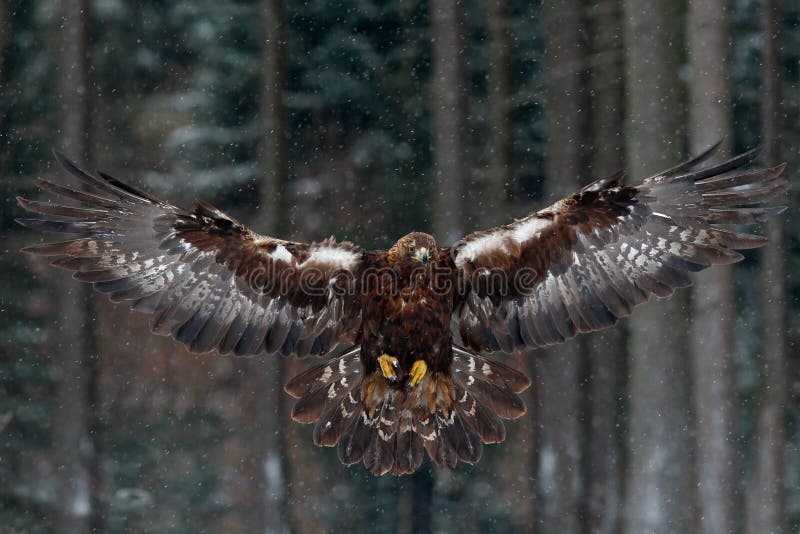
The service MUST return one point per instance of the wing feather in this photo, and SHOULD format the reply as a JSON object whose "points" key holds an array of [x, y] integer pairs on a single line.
{"points": [[207, 280], [590, 258]]}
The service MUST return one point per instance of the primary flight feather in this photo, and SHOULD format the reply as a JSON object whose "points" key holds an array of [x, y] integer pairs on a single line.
{"points": [[416, 316]]}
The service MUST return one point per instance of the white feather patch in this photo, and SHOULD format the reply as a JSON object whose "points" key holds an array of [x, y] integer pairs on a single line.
{"points": [[529, 229], [521, 231], [326, 374], [281, 253], [340, 258]]}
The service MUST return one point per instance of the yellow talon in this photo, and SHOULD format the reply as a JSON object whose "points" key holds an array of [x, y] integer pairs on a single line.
{"points": [[418, 371], [388, 365]]}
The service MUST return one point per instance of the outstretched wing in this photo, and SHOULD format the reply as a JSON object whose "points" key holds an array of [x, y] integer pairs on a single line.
{"points": [[588, 259], [207, 280]]}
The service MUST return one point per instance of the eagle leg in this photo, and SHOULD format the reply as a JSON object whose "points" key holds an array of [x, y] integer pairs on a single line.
{"points": [[389, 366], [418, 371]]}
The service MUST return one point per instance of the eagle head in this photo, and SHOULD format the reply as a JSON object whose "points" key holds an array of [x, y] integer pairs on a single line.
{"points": [[416, 247]]}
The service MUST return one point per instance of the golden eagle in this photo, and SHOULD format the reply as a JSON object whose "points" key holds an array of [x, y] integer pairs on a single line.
{"points": [[416, 316]]}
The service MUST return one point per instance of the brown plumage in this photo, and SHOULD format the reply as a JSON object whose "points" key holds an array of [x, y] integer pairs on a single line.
{"points": [[406, 387]]}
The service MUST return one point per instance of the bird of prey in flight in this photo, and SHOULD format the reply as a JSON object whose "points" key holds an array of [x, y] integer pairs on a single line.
{"points": [[418, 319]]}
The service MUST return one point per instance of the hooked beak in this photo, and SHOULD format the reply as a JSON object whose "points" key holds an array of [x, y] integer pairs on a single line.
{"points": [[422, 254]]}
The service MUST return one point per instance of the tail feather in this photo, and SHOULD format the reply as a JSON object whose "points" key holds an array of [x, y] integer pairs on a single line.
{"points": [[379, 455], [311, 407], [329, 393], [480, 418], [319, 376], [409, 450], [501, 400], [338, 418], [388, 429], [438, 444], [353, 444], [466, 363], [461, 437]]}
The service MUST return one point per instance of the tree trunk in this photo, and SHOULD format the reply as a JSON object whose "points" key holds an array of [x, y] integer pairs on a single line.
{"points": [[273, 115], [274, 166], [518, 487], [5, 38], [659, 482], [560, 477], [5, 51], [499, 143], [449, 112], [448, 91], [714, 373], [74, 421], [767, 511], [605, 350]]}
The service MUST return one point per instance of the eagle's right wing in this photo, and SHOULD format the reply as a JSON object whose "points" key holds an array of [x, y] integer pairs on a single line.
{"points": [[207, 280]]}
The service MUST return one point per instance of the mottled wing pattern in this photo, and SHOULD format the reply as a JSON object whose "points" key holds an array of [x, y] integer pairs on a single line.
{"points": [[207, 280], [587, 260]]}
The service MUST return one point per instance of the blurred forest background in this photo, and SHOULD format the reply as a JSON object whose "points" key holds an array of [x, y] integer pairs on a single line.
{"points": [[359, 118]]}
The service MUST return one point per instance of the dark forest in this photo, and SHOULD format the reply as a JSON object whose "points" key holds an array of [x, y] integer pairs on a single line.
{"points": [[367, 120]]}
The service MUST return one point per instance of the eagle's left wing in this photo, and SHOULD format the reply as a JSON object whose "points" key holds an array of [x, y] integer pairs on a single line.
{"points": [[588, 259], [206, 279]]}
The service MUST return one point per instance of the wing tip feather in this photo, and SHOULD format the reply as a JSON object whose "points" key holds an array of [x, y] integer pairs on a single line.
{"points": [[70, 165]]}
